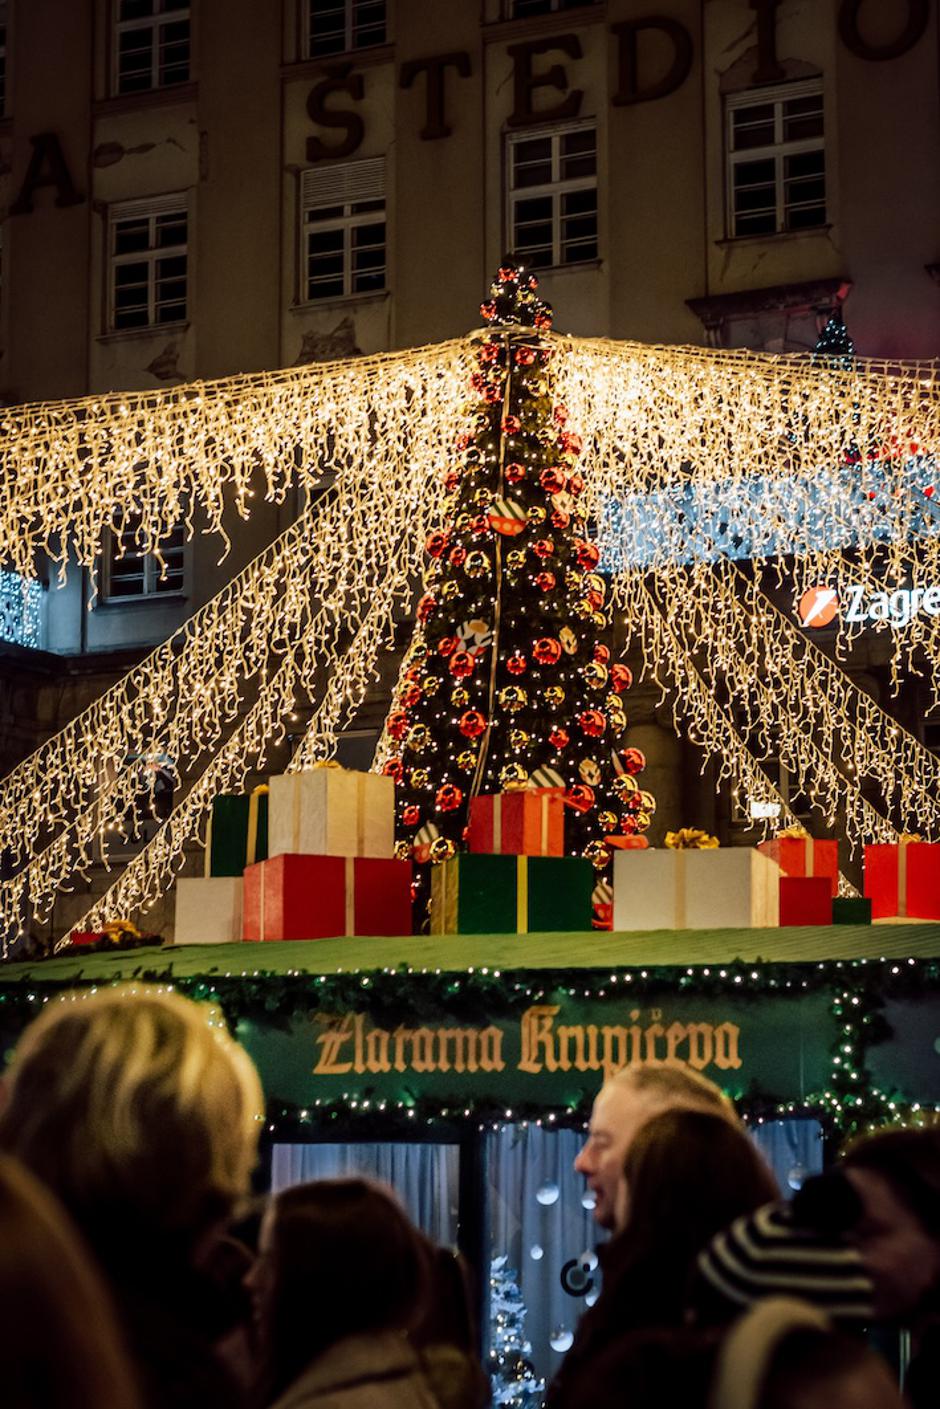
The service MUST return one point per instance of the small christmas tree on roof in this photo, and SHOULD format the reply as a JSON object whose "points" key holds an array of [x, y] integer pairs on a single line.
{"points": [[508, 682], [512, 1375]]}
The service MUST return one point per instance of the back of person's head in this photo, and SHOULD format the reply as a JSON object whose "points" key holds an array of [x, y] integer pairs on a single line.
{"points": [[343, 1260], [135, 1106], [784, 1354], [673, 1087], [59, 1343], [688, 1174], [908, 1160]]}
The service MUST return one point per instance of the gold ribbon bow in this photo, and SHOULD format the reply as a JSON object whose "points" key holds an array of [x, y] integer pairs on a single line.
{"points": [[690, 839]]}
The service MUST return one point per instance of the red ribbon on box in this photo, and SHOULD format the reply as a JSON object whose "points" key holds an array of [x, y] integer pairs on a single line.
{"points": [[902, 879], [804, 857], [526, 823]]}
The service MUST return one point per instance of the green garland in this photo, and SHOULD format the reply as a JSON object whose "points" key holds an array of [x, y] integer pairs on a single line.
{"points": [[851, 1103]]}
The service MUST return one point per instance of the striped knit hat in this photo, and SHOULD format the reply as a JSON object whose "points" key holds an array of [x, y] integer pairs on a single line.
{"points": [[767, 1254]]}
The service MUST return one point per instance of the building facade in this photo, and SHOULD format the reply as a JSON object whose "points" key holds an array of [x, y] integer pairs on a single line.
{"points": [[191, 190]]}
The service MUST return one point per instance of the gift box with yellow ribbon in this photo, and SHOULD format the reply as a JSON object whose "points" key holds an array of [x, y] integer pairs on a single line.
{"points": [[238, 832], [902, 879], [319, 897], [695, 886], [475, 893], [799, 854], [332, 812]]}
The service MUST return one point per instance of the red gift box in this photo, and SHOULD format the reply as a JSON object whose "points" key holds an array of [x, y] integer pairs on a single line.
{"points": [[805, 900], [316, 897], [82, 937], [525, 823], [804, 856], [903, 879]]}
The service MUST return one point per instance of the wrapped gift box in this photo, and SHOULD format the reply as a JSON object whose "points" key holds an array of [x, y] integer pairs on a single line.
{"points": [[805, 900], [903, 879], [317, 897], [476, 893], [851, 910], [332, 812], [733, 887], [238, 832], [208, 910], [804, 856], [82, 937], [528, 823]]}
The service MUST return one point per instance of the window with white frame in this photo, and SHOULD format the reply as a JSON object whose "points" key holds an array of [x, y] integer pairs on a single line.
{"points": [[519, 9], [343, 230], [149, 262], [131, 573], [553, 196], [776, 159], [338, 26], [151, 44]]}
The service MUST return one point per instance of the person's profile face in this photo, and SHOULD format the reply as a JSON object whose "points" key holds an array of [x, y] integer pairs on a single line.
{"points": [[618, 1113], [900, 1256]]}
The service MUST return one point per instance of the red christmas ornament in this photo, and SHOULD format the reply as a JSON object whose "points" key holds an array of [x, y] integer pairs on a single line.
{"points": [[580, 797], [595, 600], [488, 310], [552, 480], [426, 606], [559, 519], [479, 525], [471, 724], [517, 664], [478, 381], [436, 544], [448, 797], [602, 653], [489, 352], [392, 768], [397, 724], [547, 651], [560, 415], [511, 425], [545, 581], [447, 645], [411, 816], [411, 696], [451, 480], [630, 761], [543, 547], [570, 443], [514, 472], [589, 555], [461, 664], [629, 826], [506, 274], [543, 321], [559, 738], [457, 556], [575, 484], [462, 442], [492, 393], [592, 722], [621, 677], [525, 356]]}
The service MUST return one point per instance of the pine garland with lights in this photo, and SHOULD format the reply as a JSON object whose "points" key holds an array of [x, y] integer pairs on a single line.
{"points": [[515, 1383], [507, 683]]}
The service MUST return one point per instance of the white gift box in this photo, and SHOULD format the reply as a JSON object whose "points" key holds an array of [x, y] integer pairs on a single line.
{"points": [[331, 812], [208, 910], [726, 887]]}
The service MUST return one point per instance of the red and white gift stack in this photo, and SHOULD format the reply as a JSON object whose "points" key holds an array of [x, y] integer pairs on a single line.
{"points": [[530, 822], [902, 880], [331, 868], [810, 877]]}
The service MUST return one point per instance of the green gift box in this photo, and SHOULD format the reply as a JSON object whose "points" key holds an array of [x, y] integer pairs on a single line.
{"points": [[238, 832], [479, 894], [851, 910]]}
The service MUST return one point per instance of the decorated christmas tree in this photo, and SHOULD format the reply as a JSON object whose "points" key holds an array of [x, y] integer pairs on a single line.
{"points": [[508, 682], [512, 1375]]}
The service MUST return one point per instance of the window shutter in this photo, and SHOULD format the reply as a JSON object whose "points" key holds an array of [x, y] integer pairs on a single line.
{"points": [[343, 185], [174, 204]]}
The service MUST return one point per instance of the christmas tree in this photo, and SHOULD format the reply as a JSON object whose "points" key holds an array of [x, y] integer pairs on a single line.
{"points": [[508, 683], [512, 1375]]}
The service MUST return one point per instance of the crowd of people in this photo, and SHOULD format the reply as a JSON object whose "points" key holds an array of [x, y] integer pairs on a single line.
{"points": [[135, 1273]]}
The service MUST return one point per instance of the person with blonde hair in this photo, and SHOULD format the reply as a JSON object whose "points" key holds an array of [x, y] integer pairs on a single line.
{"points": [[60, 1347], [136, 1108]]}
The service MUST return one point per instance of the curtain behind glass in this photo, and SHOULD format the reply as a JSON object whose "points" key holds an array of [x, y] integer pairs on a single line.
{"points": [[425, 1177]]}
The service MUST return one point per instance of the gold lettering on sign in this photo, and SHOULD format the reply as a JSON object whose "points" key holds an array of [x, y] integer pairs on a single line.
{"points": [[347, 1045], [569, 1047]]}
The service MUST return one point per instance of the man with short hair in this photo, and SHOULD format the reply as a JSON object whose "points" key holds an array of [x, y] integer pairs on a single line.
{"points": [[624, 1103]]}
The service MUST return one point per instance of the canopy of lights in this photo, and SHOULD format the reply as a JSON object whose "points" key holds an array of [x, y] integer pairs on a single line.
{"points": [[720, 483]]}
